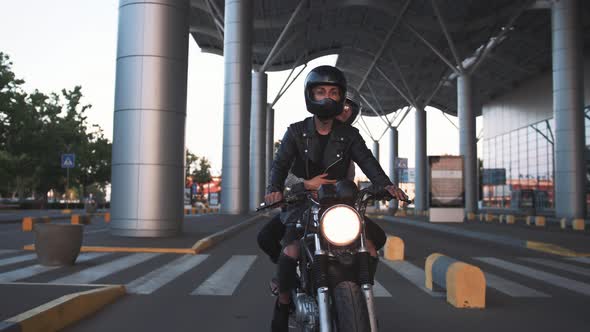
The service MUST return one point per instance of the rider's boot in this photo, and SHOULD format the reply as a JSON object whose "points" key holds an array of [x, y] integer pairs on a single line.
{"points": [[280, 318]]}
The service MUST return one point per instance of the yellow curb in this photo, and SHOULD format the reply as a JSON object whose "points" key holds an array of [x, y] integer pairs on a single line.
{"points": [[127, 249], [554, 249], [466, 286], [394, 248], [578, 224], [68, 309], [428, 270]]}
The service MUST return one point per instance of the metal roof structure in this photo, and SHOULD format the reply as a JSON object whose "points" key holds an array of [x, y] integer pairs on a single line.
{"points": [[399, 52]]}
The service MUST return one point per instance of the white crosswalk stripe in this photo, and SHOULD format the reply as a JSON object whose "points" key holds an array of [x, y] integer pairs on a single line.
{"points": [[585, 260], [94, 273], [36, 269], [152, 281], [17, 259], [7, 251], [225, 280], [411, 273], [558, 265], [511, 288], [550, 278]]}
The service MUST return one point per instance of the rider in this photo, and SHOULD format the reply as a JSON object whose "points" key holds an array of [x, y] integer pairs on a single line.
{"points": [[316, 147]]}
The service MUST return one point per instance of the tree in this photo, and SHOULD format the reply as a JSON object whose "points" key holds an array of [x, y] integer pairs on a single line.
{"points": [[202, 174], [36, 128]]}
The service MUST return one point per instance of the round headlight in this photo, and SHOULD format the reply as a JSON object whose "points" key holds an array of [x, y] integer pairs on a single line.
{"points": [[341, 224]]}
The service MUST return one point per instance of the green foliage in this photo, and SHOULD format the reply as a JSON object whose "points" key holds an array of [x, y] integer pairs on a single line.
{"points": [[35, 129], [198, 168]]}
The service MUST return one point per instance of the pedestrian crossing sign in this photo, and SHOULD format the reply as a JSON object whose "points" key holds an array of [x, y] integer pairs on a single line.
{"points": [[68, 160]]}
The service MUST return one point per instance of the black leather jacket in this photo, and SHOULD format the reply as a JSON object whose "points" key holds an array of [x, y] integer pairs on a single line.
{"points": [[301, 145]]}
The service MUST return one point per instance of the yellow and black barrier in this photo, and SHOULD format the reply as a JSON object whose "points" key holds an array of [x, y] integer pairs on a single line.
{"points": [[394, 248], [465, 284]]}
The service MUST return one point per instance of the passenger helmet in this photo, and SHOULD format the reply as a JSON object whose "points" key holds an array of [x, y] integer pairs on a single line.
{"points": [[324, 75], [353, 100]]}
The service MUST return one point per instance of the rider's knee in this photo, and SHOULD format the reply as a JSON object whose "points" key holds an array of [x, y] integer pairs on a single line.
{"points": [[291, 250]]}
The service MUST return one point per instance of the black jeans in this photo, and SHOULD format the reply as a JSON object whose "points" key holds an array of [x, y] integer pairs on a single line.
{"points": [[269, 237]]}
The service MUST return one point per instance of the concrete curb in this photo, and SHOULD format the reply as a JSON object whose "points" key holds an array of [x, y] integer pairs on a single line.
{"points": [[59, 313], [214, 239], [199, 246], [464, 283], [497, 239]]}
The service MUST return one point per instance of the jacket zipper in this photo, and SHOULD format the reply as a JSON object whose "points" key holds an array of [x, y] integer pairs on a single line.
{"points": [[334, 163]]}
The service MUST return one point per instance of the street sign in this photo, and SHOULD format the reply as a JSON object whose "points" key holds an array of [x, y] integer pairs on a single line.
{"points": [[402, 163], [68, 160]]}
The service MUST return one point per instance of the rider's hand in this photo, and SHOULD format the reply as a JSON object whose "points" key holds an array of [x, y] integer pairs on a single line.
{"points": [[316, 182], [273, 197], [397, 193]]}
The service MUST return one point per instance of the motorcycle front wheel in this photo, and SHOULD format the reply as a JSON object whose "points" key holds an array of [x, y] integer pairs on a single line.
{"points": [[351, 308]]}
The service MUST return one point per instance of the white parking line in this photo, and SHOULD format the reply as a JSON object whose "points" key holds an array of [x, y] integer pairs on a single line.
{"points": [[558, 265], [413, 274], [380, 291], [17, 259], [36, 269], [511, 288]]}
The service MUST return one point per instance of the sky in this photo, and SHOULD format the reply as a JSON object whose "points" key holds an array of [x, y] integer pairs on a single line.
{"points": [[63, 43]]}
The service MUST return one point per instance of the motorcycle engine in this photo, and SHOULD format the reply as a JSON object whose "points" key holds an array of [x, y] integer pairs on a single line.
{"points": [[306, 312]]}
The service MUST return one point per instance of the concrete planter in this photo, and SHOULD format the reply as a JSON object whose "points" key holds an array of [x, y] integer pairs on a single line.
{"points": [[58, 244]]}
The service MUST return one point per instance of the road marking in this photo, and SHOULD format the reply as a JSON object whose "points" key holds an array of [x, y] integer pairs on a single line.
{"points": [[8, 251], [558, 265], [573, 285], [225, 280], [152, 281], [380, 291], [585, 260], [17, 259], [89, 275], [511, 288], [97, 231], [36, 269], [411, 273]]}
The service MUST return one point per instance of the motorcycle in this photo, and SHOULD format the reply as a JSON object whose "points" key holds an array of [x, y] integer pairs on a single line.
{"points": [[335, 285]]}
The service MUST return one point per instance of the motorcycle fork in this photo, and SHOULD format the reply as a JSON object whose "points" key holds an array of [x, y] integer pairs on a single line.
{"points": [[320, 271], [365, 280]]}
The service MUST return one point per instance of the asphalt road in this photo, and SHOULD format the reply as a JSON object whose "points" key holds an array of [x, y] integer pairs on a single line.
{"points": [[225, 289]]}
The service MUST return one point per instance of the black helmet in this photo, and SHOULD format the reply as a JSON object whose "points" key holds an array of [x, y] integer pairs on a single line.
{"points": [[352, 99], [324, 75]]}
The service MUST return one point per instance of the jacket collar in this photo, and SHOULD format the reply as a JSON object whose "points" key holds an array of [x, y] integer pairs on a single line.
{"points": [[336, 134]]}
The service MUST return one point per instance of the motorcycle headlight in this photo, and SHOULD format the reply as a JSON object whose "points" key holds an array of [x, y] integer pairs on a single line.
{"points": [[341, 225]]}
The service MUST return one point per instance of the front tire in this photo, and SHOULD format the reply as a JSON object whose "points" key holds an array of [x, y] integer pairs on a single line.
{"points": [[350, 308]]}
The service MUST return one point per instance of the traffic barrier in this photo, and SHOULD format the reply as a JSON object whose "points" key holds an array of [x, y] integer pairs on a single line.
{"points": [[540, 221], [489, 217], [78, 219], [394, 248], [501, 218], [465, 284], [471, 216], [578, 224], [107, 217], [510, 219], [28, 222]]}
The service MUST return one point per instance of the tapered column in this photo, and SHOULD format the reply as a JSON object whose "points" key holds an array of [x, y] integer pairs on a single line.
{"points": [[258, 139], [237, 55], [568, 95], [149, 121]]}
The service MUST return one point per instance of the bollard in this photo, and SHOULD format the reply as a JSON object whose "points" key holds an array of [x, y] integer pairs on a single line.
{"points": [[465, 284], [501, 219], [510, 219], [529, 220], [80, 219], [540, 221], [394, 249], [471, 216], [578, 224], [107, 217], [489, 217]]}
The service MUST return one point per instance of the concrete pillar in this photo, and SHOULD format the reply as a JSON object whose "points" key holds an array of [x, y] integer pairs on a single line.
{"points": [[467, 140], [270, 132], [149, 121], [421, 180], [237, 54], [393, 154], [568, 94], [258, 139]]}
